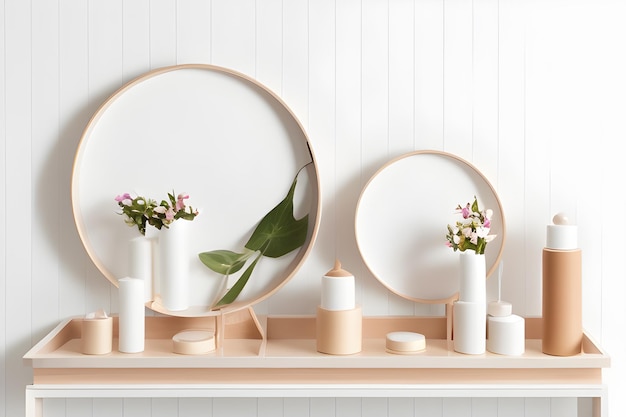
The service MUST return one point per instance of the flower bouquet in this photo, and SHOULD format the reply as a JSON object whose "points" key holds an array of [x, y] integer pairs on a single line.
{"points": [[472, 232], [140, 211]]}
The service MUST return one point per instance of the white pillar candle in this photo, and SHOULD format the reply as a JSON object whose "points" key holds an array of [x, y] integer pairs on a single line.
{"points": [[131, 315], [469, 325], [506, 335], [140, 264], [338, 289]]}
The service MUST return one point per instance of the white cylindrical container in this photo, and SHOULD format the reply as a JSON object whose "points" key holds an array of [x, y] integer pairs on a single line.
{"points": [[131, 315], [174, 261], [140, 263], [506, 335], [338, 289], [472, 277], [469, 327]]}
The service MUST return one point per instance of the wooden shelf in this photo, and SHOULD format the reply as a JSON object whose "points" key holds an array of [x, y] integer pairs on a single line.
{"points": [[290, 343], [277, 356]]}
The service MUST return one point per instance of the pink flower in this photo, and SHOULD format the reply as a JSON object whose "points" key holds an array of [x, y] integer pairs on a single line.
{"points": [[487, 223], [125, 199], [465, 211], [180, 204], [169, 214]]}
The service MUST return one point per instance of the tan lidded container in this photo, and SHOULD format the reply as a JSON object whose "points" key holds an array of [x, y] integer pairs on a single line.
{"points": [[339, 320]]}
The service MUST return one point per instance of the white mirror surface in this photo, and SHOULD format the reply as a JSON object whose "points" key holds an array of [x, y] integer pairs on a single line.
{"points": [[217, 135], [402, 217]]}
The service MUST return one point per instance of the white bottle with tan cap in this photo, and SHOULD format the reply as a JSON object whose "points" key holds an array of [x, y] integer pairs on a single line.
{"points": [[339, 320]]}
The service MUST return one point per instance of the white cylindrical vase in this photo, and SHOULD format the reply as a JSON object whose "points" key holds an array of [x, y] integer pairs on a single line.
{"points": [[470, 327], [472, 277], [140, 263], [174, 261], [131, 315]]}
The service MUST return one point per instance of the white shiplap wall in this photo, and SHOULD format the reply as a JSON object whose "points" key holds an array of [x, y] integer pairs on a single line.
{"points": [[529, 91]]}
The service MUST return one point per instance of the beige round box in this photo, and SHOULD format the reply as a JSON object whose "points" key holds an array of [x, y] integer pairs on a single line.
{"points": [[405, 343], [193, 342]]}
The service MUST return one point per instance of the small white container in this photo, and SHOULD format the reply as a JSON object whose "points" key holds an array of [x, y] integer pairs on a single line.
{"points": [[506, 335]]}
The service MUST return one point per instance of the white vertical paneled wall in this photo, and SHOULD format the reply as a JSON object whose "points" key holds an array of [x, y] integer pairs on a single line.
{"points": [[529, 91]]}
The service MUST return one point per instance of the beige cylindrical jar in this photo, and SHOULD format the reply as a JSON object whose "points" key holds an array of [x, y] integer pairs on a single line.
{"points": [[562, 290], [339, 332], [97, 336]]}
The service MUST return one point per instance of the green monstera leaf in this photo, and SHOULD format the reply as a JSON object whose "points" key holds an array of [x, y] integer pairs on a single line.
{"points": [[277, 234]]}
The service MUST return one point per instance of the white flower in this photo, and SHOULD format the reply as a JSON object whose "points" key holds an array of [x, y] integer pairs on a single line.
{"points": [[472, 231], [482, 231]]}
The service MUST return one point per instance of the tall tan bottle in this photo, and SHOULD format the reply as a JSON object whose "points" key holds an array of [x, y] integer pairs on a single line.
{"points": [[562, 290]]}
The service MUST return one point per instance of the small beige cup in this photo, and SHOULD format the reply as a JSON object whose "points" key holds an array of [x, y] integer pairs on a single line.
{"points": [[97, 336]]}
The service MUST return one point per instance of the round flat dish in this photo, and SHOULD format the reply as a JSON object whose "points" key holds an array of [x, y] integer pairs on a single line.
{"points": [[215, 134], [193, 342], [405, 343], [402, 217]]}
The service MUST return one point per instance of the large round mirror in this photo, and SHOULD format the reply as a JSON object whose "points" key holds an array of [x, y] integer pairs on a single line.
{"points": [[219, 136], [402, 217]]}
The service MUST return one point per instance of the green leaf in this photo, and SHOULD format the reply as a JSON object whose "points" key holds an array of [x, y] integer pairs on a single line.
{"points": [[475, 205], [224, 262], [278, 233], [236, 289]]}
